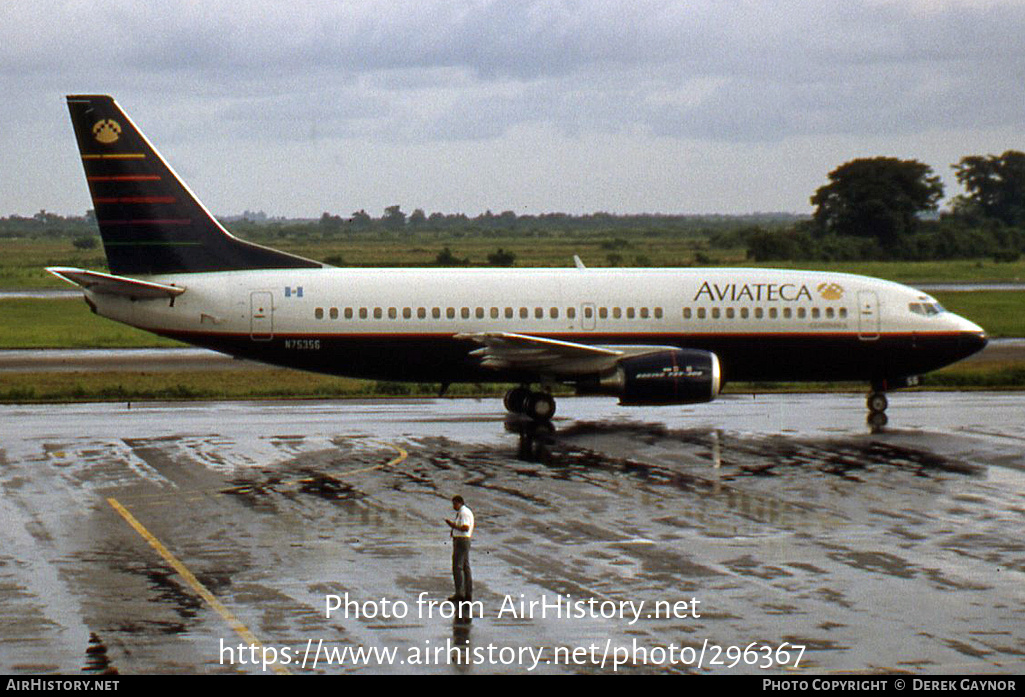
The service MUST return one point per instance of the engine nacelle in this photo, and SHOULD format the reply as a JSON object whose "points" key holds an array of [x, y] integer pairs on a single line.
{"points": [[685, 376]]}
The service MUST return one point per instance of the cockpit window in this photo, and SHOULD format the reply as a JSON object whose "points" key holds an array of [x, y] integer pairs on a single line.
{"points": [[927, 309]]}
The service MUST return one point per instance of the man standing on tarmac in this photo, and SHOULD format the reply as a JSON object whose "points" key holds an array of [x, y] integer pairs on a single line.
{"points": [[461, 531]]}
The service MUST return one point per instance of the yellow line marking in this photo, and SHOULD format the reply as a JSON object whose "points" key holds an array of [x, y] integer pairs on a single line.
{"points": [[394, 461], [193, 582]]}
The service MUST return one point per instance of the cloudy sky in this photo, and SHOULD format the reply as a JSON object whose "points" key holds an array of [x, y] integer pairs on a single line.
{"points": [[692, 106]]}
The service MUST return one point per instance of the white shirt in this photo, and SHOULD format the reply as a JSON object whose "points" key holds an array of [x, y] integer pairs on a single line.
{"points": [[464, 516]]}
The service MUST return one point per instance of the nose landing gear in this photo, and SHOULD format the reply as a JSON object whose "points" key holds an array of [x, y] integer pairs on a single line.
{"points": [[877, 404]]}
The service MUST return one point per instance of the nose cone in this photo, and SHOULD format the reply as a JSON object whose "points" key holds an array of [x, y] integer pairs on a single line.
{"points": [[973, 342], [972, 338]]}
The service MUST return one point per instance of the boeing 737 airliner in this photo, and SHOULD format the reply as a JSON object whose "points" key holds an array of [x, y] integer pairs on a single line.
{"points": [[648, 336]]}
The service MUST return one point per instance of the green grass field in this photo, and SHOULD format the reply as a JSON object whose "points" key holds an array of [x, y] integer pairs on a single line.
{"points": [[22, 261], [66, 323]]}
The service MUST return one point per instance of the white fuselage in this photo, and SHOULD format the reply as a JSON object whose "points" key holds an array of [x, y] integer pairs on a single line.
{"points": [[739, 313]]}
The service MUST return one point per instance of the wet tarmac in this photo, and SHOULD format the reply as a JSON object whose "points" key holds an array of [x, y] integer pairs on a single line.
{"points": [[157, 539]]}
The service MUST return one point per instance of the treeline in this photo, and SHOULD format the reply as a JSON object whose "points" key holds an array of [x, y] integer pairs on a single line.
{"points": [[885, 208], [944, 239], [395, 224]]}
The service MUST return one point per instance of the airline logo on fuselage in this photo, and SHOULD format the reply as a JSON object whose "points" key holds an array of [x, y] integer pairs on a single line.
{"points": [[830, 291], [755, 292]]}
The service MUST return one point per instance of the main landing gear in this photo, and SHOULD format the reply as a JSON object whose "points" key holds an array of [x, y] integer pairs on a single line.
{"points": [[877, 404], [539, 406]]}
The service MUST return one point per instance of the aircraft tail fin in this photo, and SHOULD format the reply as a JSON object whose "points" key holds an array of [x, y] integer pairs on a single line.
{"points": [[149, 220]]}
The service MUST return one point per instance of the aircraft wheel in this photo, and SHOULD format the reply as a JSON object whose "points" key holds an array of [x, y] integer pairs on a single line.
{"points": [[877, 420], [540, 406], [516, 400], [877, 402]]}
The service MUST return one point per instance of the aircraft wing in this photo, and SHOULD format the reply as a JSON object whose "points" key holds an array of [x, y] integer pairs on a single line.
{"points": [[109, 284], [509, 351]]}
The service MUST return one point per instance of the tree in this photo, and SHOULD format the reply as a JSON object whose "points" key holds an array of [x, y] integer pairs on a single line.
{"points": [[502, 258], [360, 220], [995, 186], [878, 197], [330, 223], [446, 258], [417, 219], [394, 218], [84, 242]]}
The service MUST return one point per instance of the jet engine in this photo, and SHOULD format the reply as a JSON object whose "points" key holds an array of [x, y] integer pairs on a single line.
{"points": [[684, 376]]}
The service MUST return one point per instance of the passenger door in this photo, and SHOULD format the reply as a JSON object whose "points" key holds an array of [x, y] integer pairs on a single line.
{"points": [[868, 315]]}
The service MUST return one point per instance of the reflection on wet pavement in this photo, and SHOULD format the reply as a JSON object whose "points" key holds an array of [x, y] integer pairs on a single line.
{"points": [[889, 552]]}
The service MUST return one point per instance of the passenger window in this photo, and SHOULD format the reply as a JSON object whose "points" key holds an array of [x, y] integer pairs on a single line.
{"points": [[554, 313], [843, 313], [392, 313], [480, 313], [319, 313], [571, 312], [523, 313], [786, 313], [539, 313], [334, 313], [508, 313], [436, 312], [407, 313], [450, 312], [658, 313], [617, 313], [729, 313], [743, 313], [644, 313], [686, 313], [629, 313], [830, 313], [377, 313], [701, 313], [715, 313], [363, 313], [815, 313], [494, 313], [773, 313], [348, 313], [588, 312], [759, 313], [421, 313], [801, 312], [465, 313], [603, 312]]}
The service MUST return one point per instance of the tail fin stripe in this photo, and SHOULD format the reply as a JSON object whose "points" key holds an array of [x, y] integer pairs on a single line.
{"points": [[136, 199], [154, 244], [126, 178], [117, 156], [151, 221]]}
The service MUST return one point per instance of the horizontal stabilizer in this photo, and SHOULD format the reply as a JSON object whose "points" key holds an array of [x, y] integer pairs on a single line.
{"points": [[109, 284]]}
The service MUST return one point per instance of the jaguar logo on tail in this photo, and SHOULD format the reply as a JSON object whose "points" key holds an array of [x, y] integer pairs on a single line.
{"points": [[107, 131]]}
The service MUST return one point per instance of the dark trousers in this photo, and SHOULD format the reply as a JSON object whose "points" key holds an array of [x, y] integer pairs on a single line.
{"points": [[461, 567]]}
